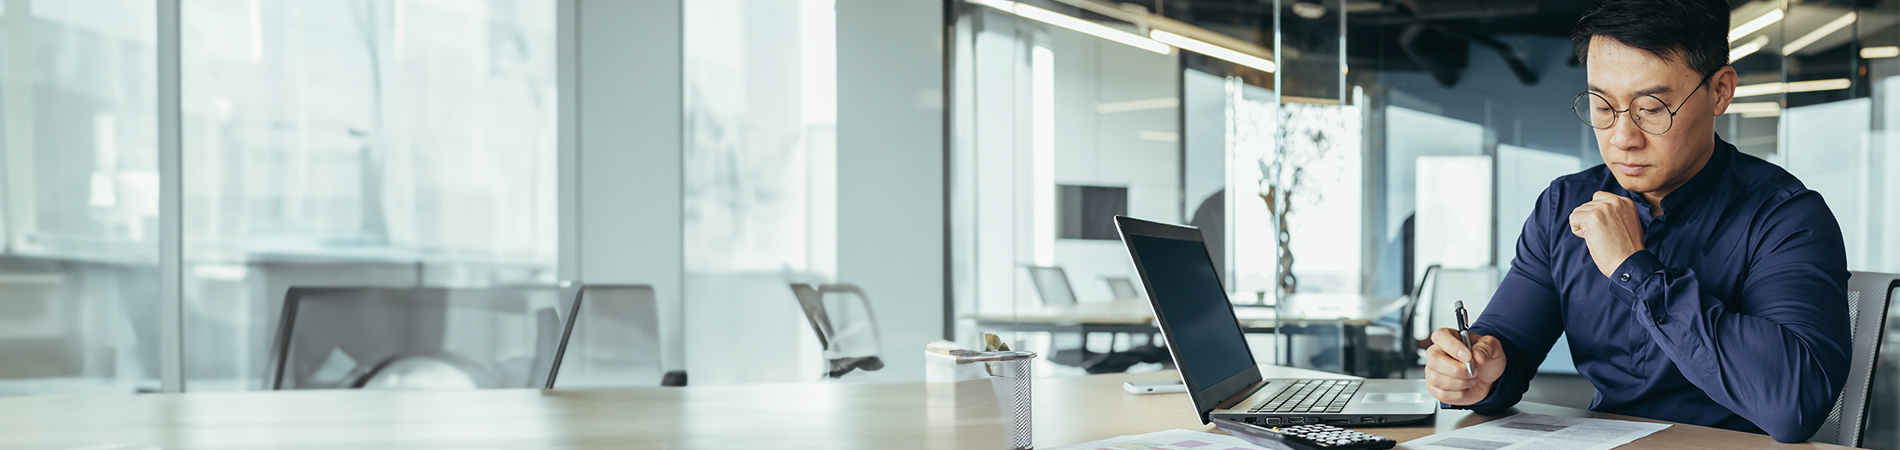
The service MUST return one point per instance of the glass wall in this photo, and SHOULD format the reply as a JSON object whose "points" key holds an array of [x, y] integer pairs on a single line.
{"points": [[415, 143], [760, 181], [813, 158], [1436, 126], [78, 197], [1809, 81], [360, 143], [1054, 131]]}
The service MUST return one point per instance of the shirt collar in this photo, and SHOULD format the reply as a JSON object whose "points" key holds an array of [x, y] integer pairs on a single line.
{"points": [[1718, 163]]}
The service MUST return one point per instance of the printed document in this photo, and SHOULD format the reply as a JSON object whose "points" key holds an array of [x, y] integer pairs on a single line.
{"points": [[1538, 431], [1176, 439]]}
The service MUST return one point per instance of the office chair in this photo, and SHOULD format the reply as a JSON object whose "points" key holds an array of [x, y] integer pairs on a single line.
{"points": [[1868, 297], [1052, 286], [841, 315], [1437, 291], [421, 338], [1122, 287], [618, 341]]}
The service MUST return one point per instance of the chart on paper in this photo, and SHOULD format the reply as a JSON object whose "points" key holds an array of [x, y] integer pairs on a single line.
{"points": [[1537, 431], [1176, 439]]}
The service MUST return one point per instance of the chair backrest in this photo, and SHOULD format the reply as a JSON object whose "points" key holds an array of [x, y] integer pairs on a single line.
{"points": [[420, 338], [1410, 326], [1122, 288], [841, 315], [617, 339], [1472, 285], [1434, 305], [1052, 284], [1868, 296], [847, 329]]}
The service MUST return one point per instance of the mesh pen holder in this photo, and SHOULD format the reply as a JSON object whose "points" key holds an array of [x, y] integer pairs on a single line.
{"points": [[1009, 377], [1012, 381]]}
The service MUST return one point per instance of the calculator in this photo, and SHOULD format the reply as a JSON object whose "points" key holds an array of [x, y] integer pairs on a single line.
{"points": [[1305, 437]]}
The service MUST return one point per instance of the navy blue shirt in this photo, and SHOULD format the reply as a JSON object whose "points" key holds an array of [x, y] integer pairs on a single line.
{"points": [[1734, 316]]}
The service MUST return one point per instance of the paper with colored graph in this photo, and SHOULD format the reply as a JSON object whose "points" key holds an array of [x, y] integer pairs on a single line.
{"points": [[1176, 439], [1538, 432]]}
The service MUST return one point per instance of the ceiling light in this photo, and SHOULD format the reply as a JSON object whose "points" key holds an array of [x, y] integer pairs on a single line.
{"points": [[1004, 5], [1216, 51], [1879, 52], [1753, 108], [1309, 10], [1818, 33], [1794, 86], [1750, 48], [1091, 28], [1752, 26], [1757, 89], [1818, 85]]}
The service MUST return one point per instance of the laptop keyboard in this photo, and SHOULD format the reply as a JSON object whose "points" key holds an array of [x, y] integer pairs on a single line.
{"points": [[1311, 396]]}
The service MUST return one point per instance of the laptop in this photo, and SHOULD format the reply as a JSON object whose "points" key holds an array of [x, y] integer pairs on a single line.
{"points": [[1204, 337]]}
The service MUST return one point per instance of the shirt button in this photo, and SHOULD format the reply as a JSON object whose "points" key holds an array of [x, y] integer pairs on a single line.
{"points": [[1625, 277]]}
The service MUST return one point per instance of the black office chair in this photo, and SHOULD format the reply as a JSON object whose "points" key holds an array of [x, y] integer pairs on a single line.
{"points": [[1052, 286], [847, 329], [1868, 297], [1430, 308], [421, 338]]}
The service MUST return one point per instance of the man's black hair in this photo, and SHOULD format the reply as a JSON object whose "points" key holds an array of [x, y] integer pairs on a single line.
{"points": [[1693, 32]]}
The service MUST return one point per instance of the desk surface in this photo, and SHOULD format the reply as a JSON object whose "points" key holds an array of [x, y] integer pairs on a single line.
{"points": [[818, 415]]}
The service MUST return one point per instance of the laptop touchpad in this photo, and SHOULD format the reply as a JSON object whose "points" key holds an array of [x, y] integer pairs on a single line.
{"points": [[1393, 397]]}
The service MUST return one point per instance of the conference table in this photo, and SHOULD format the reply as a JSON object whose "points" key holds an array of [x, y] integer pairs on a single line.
{"points": [[770, 416], [1340, 320], [1134, 315]]}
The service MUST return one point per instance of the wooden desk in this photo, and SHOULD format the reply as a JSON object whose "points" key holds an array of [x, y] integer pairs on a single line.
{"points": [[828, 415]]}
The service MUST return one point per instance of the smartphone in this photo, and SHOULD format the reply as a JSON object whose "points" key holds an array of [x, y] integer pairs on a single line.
{"points": [[1154, 387]]}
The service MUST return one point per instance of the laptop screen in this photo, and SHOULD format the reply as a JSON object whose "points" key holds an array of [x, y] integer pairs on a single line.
{"points": [[1188, 296]]}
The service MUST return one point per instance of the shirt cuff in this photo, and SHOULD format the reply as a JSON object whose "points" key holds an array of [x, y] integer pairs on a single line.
{"points": [[1641, 276], [1636, 271]]}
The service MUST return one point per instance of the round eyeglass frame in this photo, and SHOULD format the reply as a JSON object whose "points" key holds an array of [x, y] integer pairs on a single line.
{"points": [[1616, 114]]}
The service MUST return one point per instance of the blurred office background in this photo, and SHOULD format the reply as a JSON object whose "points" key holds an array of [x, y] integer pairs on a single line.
{"points": [[926, 164]]}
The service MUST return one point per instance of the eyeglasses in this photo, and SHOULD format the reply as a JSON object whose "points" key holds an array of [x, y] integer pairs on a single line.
{"points": [[1650, 113]]}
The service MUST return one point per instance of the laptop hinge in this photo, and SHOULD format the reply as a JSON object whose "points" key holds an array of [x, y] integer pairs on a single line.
{"points": [[1242, 396]]}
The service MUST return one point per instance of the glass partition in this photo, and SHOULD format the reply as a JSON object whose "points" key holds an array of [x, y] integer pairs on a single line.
{"points": [[371, 143], [761, 195], [1055, 127], [812, 190], [78, 197], [1331, 151]]}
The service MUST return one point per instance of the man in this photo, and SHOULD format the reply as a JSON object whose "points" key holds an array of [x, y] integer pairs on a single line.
{"points": [[1698, 284]]}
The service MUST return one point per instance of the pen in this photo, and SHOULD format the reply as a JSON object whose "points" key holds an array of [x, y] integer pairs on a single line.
{"points": [[1464, 324]]}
